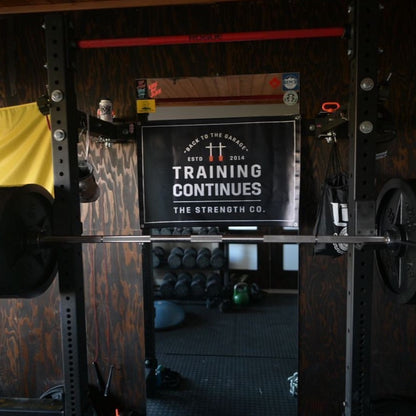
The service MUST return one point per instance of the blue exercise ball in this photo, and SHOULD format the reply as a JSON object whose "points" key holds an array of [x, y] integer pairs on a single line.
{"points": [[168, 314]]}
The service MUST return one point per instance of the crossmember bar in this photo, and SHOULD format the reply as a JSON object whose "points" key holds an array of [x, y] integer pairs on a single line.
{"points": [[213, 38]]}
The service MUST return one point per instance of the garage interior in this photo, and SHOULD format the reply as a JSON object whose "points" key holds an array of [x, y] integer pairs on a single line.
{"points": [[236, 362]]}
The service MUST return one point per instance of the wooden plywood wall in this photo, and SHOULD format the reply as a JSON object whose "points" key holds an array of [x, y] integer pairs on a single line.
{"points": [[113, 279]]}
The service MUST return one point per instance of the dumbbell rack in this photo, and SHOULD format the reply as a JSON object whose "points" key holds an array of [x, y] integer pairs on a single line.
{"points": [[179, 261]]}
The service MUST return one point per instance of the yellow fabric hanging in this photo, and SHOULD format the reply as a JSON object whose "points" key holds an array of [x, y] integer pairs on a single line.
{"points": [[25, 147]]}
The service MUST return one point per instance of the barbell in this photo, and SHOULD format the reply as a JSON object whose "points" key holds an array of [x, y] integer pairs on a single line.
{"points": [[28, 247]]}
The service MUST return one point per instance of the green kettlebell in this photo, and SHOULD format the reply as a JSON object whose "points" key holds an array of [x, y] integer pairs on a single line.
{"points": [[241, 294]]}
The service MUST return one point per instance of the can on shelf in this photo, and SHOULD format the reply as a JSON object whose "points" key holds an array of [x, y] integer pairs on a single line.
{"points": [[105, 110]]}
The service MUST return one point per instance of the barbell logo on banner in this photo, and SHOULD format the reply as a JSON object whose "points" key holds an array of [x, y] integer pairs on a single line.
{"points": [[220, 171]]}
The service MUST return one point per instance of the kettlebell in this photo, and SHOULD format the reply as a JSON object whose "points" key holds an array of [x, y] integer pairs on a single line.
{"points": [[241, 294]]}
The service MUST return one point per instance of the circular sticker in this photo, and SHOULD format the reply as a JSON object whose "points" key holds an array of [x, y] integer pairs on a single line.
{"points": [[290, 82], [290, 97]]}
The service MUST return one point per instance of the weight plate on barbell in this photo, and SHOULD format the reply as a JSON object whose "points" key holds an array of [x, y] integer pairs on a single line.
{"points": [[396, 216], [26, 269]]}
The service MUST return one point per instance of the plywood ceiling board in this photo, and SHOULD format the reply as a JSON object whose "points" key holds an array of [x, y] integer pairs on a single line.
{"points": [[244, 86]]}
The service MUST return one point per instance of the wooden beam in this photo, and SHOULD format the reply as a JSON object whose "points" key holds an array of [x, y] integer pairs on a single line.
{"points": [[40, 6]]}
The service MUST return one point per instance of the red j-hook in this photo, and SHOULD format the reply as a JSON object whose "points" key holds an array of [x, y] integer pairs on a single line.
{"points": [[330, 106]]}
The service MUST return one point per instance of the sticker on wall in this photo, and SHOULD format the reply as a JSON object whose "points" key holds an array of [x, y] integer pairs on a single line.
{"points": [[154, 90], [141, 89], [290, 81], [275, 82], [146, 106], [290, 98]]}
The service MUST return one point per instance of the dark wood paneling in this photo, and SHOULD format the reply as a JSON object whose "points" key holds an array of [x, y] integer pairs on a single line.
{"points": [[23, 56], [393, 343], [113, 286], [113, 289], [30, 348]]}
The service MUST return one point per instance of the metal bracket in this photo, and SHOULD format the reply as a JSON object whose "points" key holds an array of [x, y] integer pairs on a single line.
{"points": [[115, 132]]}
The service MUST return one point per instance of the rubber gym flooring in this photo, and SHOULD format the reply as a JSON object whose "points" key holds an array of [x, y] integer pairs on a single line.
{"points": [[232, 364]]}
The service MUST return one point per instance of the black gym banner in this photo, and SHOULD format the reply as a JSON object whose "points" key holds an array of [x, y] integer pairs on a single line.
{"points": [[225, 171]]}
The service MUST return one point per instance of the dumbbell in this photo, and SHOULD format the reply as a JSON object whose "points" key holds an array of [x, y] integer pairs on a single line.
{"points": [[214, 285], [198, 284], [183, 285], [158, 256], [175, 258], [167, 287], [203, 231], [203, 258], [217, 260], [189, 258]]}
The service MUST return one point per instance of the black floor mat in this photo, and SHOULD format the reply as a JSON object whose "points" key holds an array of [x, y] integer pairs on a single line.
{"points": [[232, 364]]}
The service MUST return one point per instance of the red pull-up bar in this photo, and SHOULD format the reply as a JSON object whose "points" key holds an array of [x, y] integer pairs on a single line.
{"points": [[213, 38]]}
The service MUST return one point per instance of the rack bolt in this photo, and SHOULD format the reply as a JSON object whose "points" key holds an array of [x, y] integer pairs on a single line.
{"points": [[366, 127], [367, 84], [57, 96], [59, 135]]}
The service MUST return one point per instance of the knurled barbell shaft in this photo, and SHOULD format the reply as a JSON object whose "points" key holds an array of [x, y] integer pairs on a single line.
{"points": [[286, 238]]}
